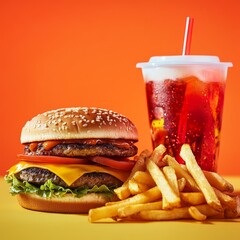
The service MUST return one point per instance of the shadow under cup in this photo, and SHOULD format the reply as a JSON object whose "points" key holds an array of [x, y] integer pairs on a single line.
{"points": [[185, 98]]}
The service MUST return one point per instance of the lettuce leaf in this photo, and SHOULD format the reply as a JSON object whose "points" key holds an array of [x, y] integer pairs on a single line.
{"points": [[49, 189]]}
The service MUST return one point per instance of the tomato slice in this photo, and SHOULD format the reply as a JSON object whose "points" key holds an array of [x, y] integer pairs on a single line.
{"points": [[123, 164], [52, 159]]}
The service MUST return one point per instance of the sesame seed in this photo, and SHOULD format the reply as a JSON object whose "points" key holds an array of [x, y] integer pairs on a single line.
{"points": [[68, 110]]}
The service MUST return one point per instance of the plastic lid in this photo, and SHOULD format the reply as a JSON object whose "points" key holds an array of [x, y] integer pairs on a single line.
{"points": [[157, 61]]}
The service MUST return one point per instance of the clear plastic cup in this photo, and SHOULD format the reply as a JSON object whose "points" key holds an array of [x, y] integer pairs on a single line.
{"points": [[185, 97]]}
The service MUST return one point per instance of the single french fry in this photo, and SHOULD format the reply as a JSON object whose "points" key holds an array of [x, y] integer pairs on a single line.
{"points": [[165, 204], [237, 198], [196, 172], [218, 181], [196, 214], [109, 211], [144, 178], [209, 211], [181, 184], [225, 199], [193, 198], [135, 208], [233, 212], [136, 188], [161, 215], [140, 163], [170, 196], [123, 191], [181, 172], [157, 154], [171, 177]]}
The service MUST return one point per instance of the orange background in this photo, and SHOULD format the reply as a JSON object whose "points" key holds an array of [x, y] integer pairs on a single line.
{"points": [[83, 53]]}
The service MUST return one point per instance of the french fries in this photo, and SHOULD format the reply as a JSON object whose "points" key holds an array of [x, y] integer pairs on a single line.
{"points": [[144, 178], [170, 198], [136, 187], [150, 195], [123, 192], [161, 189], [181, 172]]}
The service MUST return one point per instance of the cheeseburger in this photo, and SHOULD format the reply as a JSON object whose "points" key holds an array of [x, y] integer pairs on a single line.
{"points": [[73, 159]]}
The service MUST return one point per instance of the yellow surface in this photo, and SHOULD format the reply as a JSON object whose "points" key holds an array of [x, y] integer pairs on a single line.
{"points": [[19, 223]]}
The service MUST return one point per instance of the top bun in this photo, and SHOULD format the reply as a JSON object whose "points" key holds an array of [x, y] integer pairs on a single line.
{"points": [[78, 123]]}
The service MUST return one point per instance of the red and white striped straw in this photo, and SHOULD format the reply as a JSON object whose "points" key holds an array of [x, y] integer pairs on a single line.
{"points": [[187, 36]]}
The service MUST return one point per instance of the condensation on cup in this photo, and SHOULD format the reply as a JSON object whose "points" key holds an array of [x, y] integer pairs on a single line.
{"points": [[185, 97]]}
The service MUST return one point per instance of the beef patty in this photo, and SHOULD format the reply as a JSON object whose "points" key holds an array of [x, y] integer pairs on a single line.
{"points": [[83, 150], [38, 176]]}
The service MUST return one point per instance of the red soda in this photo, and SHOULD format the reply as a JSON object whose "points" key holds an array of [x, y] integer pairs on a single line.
{"points": [[187, 110]]}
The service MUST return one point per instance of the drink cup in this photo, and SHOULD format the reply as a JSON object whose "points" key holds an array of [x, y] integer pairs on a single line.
{"points": [[185, 97]]}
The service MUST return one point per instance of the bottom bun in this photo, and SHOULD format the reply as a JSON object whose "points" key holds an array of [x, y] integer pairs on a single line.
{"points": [[66, 204]]}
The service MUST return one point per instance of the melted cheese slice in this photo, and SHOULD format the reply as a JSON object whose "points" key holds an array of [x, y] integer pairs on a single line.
{"points": [[69, 173]]}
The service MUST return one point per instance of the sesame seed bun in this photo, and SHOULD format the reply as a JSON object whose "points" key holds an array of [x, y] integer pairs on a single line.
{"points": [[66, 204], [78, 123]]}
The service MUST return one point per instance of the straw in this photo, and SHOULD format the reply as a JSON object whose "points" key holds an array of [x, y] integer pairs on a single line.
{"points": [[187, 36]]}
